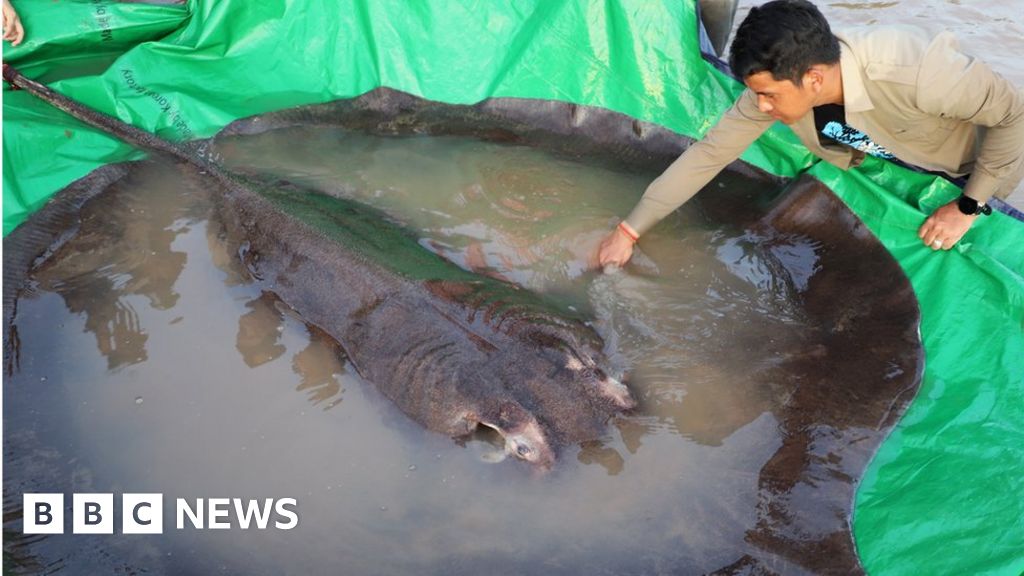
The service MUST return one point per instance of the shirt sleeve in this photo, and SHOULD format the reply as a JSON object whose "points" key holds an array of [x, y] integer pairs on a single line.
{"points": [[955, 85], [702, 161]]}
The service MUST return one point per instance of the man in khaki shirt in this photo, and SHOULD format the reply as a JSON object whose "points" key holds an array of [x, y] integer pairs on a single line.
{"points": [[894, 92]]}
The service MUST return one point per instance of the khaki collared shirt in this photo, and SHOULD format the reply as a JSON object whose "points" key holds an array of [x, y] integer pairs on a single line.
{"points": [[916, 95]]}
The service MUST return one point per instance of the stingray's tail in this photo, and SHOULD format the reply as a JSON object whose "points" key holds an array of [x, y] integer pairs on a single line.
{"points": [[130, 134]]}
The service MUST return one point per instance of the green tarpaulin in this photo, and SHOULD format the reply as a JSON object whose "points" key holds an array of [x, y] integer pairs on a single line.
{"points": [[944, 495]]}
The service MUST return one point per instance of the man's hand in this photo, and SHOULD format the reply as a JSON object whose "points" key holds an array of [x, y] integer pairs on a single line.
{"points": [[945, 227], [616, 248], [13, 30]]}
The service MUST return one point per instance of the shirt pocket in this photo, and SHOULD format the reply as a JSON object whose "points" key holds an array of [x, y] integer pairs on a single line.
{"points": [[923, 128]]}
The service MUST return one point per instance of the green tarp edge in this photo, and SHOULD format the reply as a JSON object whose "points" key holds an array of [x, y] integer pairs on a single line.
{"points": [[942, 495]]}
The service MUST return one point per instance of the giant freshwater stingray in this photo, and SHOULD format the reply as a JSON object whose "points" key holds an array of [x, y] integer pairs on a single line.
{"points": [[474, 351], [845, 391]]}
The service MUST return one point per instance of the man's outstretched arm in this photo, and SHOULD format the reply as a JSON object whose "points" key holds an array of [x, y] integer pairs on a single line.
{"points": [[737, 129]]}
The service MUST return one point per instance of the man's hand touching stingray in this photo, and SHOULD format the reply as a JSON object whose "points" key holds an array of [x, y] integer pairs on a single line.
{"points": [[617, 247]]}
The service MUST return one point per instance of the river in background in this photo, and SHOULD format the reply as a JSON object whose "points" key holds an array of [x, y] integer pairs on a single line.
{"points": [[992, 31], [149, 363]]}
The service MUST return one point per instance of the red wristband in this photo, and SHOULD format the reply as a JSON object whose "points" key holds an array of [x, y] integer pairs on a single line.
{"points": [[630, 235]]}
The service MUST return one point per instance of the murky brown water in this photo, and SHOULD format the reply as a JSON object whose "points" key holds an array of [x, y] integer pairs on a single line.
{"points": [[149, 364]]}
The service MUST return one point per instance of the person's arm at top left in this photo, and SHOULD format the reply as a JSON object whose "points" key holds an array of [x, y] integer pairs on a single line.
{"points": [[955, 85], [14, 32]]}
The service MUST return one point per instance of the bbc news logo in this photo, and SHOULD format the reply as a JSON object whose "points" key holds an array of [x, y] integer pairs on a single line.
{"points": [[144, 513]]}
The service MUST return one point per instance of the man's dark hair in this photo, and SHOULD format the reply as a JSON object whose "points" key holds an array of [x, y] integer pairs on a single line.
{"points": [[784, 37]]}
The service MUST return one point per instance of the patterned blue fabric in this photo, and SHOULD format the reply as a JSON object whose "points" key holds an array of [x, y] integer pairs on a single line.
{"points": [[855, 139]]}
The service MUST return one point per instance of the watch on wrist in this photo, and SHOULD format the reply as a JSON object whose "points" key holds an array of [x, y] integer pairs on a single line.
{"points": [[972, 207]]}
